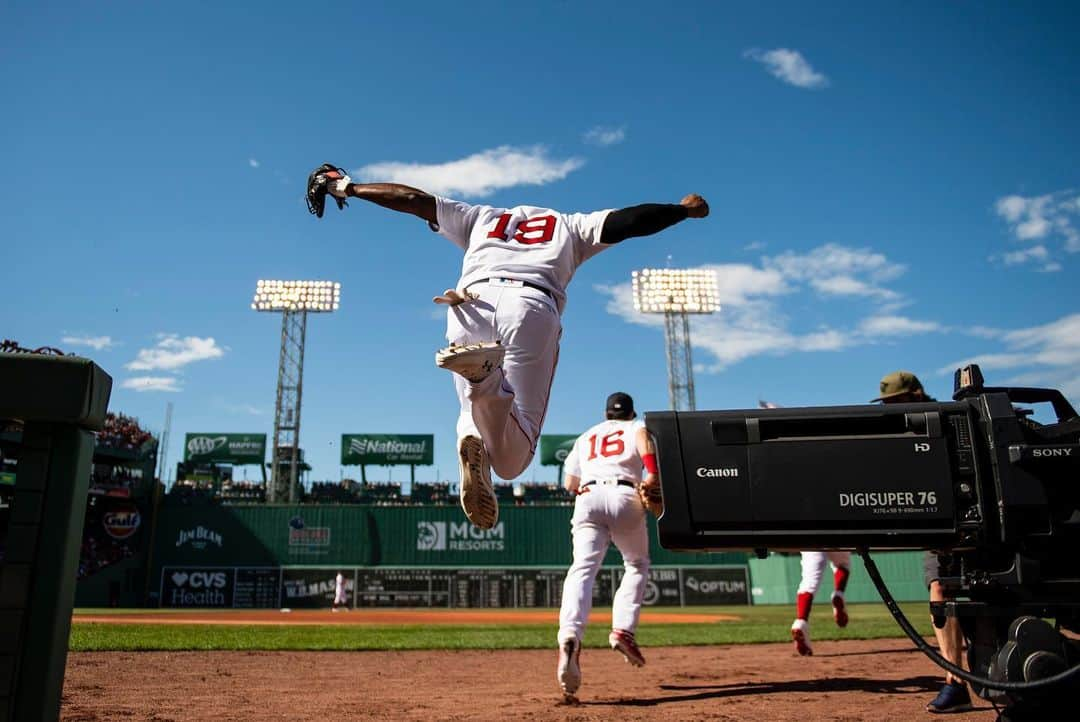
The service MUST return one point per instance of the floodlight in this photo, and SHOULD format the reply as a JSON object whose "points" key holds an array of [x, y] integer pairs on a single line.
{"points": [[676, 293], [313, 296], [293, 300]]}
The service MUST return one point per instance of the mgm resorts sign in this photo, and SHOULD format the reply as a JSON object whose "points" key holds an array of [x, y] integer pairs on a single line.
{"points": [[442, 536], [388, 449]]}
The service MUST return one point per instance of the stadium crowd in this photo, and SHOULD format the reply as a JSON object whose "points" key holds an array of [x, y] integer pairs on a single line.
{"points": [[122, 432]]}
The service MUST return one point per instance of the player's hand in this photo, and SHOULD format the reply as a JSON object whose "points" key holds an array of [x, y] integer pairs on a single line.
{"points": [[451, 297], [695, 206]]}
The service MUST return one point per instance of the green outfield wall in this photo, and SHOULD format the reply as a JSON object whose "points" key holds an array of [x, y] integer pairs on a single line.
{"points": [[774, 580], [348, 536]]}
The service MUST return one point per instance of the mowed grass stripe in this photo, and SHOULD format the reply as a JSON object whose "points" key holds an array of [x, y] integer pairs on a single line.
{"points": [[755, 625]]}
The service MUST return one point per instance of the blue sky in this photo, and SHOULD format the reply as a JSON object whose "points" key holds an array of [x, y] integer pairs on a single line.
{"points": [[891, 187]]}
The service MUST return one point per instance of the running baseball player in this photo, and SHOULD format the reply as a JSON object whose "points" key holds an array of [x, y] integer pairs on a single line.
{"points": [[504, 314], [604, 469], [813, 566]]}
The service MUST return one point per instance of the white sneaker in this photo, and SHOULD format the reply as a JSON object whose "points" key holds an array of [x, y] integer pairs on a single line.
{"points": [[474, 361], [800, 635], [478, 498], [569, 670]]}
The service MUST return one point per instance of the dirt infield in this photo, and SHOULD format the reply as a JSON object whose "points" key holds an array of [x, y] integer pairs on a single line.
{"points": [[307, 617], [848, 680]]}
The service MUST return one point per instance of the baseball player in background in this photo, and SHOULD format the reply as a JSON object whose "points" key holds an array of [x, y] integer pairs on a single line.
{"points": [[813, 566], [340, 600], [503, 318], [604, 469]]}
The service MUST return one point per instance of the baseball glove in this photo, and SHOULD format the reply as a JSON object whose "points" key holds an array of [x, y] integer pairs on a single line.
{"points": [[326, 180], [651, 497]]}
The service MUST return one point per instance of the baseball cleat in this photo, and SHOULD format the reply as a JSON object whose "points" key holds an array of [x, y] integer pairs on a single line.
{"points": [[569, 670], [478, 498], [623, 642], [473, 361], [839, 611], [800, 635]]}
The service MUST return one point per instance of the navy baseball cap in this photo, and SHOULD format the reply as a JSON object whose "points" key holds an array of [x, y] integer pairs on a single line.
{"points": [[621, 403]]}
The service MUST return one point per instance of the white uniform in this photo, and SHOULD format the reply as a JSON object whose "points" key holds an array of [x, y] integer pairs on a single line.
{"points": [[606, 512], [339, 590], [813, 564], [516, 247]]}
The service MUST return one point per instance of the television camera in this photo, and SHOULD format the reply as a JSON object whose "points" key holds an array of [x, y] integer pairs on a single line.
{"points": [[976, 480]]}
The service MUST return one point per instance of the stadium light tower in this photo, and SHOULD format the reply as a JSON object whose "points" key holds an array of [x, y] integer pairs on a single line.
{"points": [[293, 299], [677, 294]]}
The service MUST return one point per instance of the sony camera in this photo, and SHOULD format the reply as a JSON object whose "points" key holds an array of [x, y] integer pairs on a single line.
{"points": [[976, 479]]}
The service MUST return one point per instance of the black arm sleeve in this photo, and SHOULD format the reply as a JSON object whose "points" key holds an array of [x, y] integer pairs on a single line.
{"points": [[643, 220]]}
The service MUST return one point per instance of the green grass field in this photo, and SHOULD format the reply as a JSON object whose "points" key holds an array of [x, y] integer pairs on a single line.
{"points": [[756, 624]]}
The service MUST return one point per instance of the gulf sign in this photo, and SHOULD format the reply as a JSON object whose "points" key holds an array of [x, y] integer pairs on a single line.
{"points": [[122, 521]]}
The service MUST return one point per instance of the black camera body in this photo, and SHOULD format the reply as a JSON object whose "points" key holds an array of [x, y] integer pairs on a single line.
{"points": [[974, 478]]}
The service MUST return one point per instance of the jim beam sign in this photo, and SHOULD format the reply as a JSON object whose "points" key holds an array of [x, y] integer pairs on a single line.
{"points": [[239, 449], [388, 449]]}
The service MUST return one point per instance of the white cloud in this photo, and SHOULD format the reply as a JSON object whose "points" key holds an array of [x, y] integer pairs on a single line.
{"points": [[253, 163], [476, 175], [836, 270], [752, 323], [603, 136], [173, 352], [1053, 215], [755, 246], [1052, 351], [897, 326], [789, 66], [98, 343], [1035, 253], [151, 383]]}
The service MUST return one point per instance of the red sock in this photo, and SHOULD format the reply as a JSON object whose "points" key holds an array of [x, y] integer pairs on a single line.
{"points": [[803, 602], [839, 578]]}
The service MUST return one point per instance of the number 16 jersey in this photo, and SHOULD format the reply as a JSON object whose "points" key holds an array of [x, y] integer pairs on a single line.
{"points": [[606, 451]]}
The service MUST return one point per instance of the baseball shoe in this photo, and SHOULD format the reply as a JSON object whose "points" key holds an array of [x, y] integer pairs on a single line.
{"points": [[478, 498], [800, 635], [623, 642], [473, 361], [839, 611], [569, 670], [952, 698]]}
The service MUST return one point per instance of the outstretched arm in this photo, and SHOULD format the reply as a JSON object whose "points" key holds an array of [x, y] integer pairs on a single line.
{"points": [[396, 197], [650, 218]]}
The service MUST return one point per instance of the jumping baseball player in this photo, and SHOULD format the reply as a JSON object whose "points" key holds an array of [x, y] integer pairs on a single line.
{"points": [[604, 469], [503, 318], [813, 566]]}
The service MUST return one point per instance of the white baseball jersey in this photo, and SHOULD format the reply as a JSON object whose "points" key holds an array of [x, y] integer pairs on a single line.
{"points": [[339, 589], [606, 514], [524, 243], [606, 451]]}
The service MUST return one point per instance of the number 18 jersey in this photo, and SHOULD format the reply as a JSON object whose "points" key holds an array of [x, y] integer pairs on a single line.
{"points": [[606, 451]]}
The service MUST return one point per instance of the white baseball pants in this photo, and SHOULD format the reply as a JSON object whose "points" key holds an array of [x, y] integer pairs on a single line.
{"points": [[602, 515], [507, 408], [813, 564]]}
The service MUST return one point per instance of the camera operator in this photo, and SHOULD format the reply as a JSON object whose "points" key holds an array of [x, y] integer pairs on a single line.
{"points": [[903, 387]]}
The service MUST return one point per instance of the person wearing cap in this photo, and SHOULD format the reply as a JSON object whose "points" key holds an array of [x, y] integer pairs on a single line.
{"points": [[604, 469], [901, 387]]}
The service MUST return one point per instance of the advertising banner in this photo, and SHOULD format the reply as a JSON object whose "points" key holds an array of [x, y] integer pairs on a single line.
{"points": [[239, 449], [554, 448], [197, 587], [388, 449]]}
